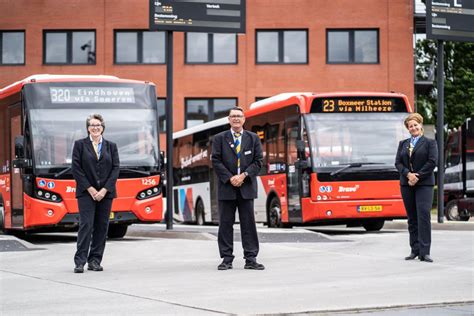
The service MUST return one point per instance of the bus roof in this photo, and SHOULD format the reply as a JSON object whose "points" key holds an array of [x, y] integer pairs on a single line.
{"points": [[201, 127], [305, 98], [17, 86]]}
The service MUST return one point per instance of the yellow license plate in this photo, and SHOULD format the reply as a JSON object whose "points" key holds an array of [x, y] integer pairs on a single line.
{"points": [[369, 208], [111, 215]]}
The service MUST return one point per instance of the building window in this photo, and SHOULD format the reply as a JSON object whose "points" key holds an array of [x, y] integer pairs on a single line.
{"points": [[12, 47], [211, 48], [161, 105], [139, 47], [69, 47], [199, 111], [282, 46], [352, 46]]}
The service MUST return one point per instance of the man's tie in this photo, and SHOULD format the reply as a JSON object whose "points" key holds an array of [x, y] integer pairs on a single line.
{"points": [[237, 150]]}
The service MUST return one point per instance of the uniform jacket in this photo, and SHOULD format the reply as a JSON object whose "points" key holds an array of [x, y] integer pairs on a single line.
{"points": [[423, 160], [88, 171], [224, 161]]}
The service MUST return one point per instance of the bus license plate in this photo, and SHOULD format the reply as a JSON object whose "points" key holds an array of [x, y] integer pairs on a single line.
{"points": [[111, 215], [369, 208]]}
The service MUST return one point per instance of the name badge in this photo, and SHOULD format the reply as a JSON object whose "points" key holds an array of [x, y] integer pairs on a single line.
{"points": [[248, 152]]}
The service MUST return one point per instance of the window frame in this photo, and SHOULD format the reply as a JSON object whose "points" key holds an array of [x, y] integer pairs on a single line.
{"points": [[69, 34], [1, 48], [139, 47], [210, 105], [210, 51], [351, 60], [281, 46]]}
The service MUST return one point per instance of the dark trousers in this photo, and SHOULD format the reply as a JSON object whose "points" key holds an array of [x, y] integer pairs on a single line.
{"points": [[248, 231], [418, 201], [93, 226]]}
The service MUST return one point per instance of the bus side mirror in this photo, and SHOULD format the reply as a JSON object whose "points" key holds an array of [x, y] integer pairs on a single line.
{"points": [[162, 160], [300, 147], [20, 161], [19, 147]]}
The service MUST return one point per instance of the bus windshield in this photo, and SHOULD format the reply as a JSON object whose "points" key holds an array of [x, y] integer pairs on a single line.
{"points": [[341, 139], [57, 112]]}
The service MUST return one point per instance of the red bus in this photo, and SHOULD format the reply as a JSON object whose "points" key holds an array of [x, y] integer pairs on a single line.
{"points": [[328, 159], [41, 117]]}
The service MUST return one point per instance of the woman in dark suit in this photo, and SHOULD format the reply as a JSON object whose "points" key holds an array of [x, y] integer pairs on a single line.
{"points": [[95, 167], [416, 159]]}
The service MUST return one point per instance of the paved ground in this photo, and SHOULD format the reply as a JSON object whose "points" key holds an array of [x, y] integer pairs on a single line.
{"points": [[323, 271]]}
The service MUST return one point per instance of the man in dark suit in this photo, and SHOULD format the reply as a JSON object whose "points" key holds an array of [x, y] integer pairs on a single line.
{"points": [[237, 159], [416, 160], [95, 167]]}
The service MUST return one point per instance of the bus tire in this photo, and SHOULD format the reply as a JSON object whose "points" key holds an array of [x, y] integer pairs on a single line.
{"points": [[274, 213], [373, 225], [200, 219], [117, 230], [2, 217], [451, 211]]}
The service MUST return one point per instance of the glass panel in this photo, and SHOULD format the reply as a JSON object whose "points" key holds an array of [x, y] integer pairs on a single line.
{"points": [[13, 48], [267, 47], [153, 47], [197, 112], [294, 47], [126, 47], [133, 130], [197, 48], [338, 46], [56, 48], [365, 49], [222, 107], [83, 47], [225, 48], [338, 139]]}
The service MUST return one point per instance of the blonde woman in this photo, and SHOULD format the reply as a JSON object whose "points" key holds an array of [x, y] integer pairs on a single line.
{"points": [[416, 160]]}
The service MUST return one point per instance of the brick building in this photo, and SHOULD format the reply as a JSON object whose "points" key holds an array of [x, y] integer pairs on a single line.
{"points": [[298, 45]]}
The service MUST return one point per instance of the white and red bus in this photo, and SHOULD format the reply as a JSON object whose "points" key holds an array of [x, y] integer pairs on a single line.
{"points": [[328, 159], [41, 117]]}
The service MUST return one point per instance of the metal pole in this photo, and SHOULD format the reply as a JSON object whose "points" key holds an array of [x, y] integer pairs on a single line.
{"points": [[169, 130], [440, 131]]}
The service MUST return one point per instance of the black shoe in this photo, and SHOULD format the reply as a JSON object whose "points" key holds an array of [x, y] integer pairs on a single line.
{"points": [[411, 256], [254, 265], [79, 268], [426, 258], [94, 266], [225, 266]]}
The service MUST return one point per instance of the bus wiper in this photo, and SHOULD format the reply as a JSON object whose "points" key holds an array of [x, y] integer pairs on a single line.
{"points": [[353, 165], [62, 172], [146, 173]]}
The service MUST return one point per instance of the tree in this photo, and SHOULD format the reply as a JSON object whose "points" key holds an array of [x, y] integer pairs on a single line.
{"points": [[458, 84]]}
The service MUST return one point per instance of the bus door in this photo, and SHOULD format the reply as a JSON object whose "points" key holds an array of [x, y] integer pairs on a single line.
{"points": [[213, 184], [293, 174], [16, 189]]}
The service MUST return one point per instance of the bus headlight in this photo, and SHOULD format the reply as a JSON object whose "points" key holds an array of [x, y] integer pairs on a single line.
{"points": [[148, 193], [47, 196]]}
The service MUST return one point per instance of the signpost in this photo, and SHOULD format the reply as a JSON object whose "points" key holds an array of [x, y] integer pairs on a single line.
{"points": [[451, 20], [210, 16]]}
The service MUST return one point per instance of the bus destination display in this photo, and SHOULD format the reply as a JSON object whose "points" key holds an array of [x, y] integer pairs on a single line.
{"points": [[91, 95], [212, 16], [357, 104]]}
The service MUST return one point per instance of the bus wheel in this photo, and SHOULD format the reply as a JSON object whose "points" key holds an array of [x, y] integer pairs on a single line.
{"points": [[373, 225], [451, 211], [200, 213], [117, 230], [2, 218], [274, 213]]}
